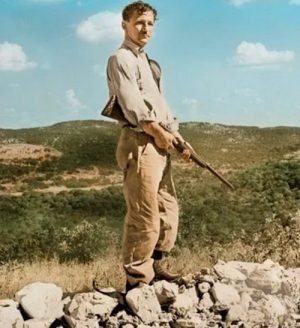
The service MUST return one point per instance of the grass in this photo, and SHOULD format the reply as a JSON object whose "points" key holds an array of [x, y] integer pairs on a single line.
{"points": [[76, 277]]}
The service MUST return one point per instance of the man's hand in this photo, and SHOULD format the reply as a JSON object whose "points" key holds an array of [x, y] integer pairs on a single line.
{"points": [[186, 154], [163, 139]]}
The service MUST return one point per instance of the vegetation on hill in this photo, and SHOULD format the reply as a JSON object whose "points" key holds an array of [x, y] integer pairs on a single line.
{"points": [[84, 224]]}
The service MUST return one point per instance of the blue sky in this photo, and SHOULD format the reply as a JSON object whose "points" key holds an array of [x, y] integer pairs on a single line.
{"points": [[223, 61]]}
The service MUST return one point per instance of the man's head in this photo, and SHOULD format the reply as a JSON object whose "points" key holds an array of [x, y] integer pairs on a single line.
{"points": [[138, 22]]}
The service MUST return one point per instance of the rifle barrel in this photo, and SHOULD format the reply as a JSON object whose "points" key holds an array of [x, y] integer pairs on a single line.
{"points": [[196, 158]]}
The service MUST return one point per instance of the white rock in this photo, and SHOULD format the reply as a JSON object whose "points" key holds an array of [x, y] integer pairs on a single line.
{"points": [[188, 280], [194, 321], [266, 279], [255, 316], [10, 316], [144, 303], [206, 302], [207, 278], [246, 268], [41, 300], [236, 313], [245, 300], [185, 302], [203, 287], [269, 264], [273, 308], [165, 317], [124, 318], [228, 271], [165, 291], [225, 296], [87, 323], [290, 283], [86, 305], [37, 323]]}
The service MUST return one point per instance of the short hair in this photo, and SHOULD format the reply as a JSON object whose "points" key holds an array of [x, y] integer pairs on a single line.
{"points": [[138, 6]]}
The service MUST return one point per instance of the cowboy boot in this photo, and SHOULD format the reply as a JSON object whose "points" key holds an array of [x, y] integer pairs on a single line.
{"points": [[160, 272]]}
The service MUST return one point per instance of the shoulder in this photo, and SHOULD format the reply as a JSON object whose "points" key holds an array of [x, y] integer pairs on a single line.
{"points": [[122, 57]]}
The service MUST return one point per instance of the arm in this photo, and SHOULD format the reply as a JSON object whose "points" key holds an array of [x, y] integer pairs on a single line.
{"points": [[122, 77]]}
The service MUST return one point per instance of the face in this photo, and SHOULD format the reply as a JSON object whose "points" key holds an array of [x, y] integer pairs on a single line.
{"points": [[139, 28]]}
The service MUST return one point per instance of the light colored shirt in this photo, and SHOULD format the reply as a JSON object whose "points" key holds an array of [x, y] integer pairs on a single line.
{"points": [[130, 78]]}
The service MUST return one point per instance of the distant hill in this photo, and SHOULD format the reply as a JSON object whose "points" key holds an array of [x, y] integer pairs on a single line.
{"points": [[93, 142]]}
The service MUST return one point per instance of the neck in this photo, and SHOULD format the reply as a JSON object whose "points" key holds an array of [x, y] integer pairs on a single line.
{"points": [[138, 45]]}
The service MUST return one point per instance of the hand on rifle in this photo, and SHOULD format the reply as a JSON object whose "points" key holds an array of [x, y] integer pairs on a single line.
{"points": [[163, 138], [188, 149]]}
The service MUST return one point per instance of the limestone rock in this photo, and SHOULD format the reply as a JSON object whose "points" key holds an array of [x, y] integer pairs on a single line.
{"points": [[246, 268], [207, 278], [255, 317], [195, 320], [165, 291], [37, 323], [112, 322], [188, 280], [41, 300], [89, 305], [124, 318], [229, 272], [273, 308], [266, 279], [224, 295], [206, 302], [185, 302], [290, 283], [236, 313], [10, 316], [87, 323], [204, 287], [144, 303]]}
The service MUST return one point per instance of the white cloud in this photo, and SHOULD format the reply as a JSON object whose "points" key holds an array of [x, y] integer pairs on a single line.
{"points": [[100, 27], [73, 102], [295, 2], [238, 3], [13, 58], [192, 103], [254, 54]]}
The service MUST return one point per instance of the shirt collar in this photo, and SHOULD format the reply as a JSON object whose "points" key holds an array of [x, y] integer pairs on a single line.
{"points": [[137, 50]]}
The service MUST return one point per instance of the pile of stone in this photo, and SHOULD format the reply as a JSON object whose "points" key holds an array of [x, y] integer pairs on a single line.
{"points": [[232, 294]]}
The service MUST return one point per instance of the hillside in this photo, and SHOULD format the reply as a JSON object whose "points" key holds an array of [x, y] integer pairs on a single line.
{"points": [[70, 204], [85, 143]]}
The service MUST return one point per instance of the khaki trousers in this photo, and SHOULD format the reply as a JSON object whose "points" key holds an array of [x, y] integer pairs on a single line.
{"points": [[152, 212]]}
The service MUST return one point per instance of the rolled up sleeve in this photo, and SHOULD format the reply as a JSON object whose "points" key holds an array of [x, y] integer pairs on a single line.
{"points": [[122, 76]]}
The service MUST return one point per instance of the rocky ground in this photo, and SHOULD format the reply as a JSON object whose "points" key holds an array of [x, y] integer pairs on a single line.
{"points": [[232, 294]]}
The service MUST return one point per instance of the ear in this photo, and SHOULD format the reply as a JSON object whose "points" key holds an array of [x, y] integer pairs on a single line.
{"points": [[123, 25]]}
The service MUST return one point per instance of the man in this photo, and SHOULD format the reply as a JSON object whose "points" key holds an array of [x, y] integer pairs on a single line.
{"points": [[151, 221]]}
